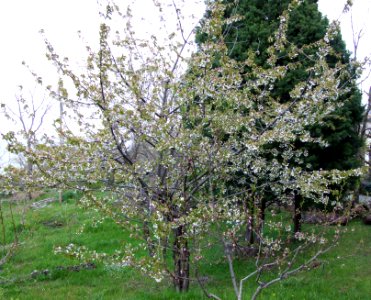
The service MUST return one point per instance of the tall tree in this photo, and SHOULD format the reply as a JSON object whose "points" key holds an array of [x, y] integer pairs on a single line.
{"points": [[251, 34], [306, 25]]}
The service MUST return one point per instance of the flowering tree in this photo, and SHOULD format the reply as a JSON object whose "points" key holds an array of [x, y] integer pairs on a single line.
{"points": [[162, 134]]}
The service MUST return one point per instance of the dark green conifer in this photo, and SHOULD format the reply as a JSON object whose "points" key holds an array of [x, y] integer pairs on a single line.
{"points": [[306, 26]]}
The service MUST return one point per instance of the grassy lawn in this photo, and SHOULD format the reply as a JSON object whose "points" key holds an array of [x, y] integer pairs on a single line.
{"points": [[345, 272]]}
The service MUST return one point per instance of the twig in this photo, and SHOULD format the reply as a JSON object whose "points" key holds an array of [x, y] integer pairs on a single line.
{"points": [[285, 274], [207, 294]]}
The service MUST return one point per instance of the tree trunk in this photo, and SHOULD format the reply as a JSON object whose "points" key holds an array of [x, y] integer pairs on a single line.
{"points": [[147, 236], [146, 206], [263, 206], [181, 258], [165, 245], [365, 135], [249, 213], [356, 194], [297, 212], [261, 219], [28, 198]]}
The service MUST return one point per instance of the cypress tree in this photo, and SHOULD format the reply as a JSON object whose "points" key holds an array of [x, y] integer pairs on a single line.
{"points": [[253, 32], [306, 26]]}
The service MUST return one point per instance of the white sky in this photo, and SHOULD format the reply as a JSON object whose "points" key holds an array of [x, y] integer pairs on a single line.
{"points": [[21, 20]]}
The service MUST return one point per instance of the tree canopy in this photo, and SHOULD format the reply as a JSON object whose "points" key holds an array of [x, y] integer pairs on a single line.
{"points": [[253, 32]]}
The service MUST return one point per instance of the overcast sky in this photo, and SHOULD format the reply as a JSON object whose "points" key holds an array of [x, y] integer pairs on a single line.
{"points": [[21, 21]]}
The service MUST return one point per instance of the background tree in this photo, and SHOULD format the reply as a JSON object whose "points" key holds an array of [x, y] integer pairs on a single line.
{"points": [[253, 33], [28, 115]]}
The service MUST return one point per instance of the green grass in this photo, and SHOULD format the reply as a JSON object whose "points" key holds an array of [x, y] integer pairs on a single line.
{"points": [[344, 273]]}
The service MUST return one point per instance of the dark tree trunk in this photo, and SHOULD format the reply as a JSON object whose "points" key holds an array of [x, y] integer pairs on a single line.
{"points": [[263, 206], [261, 219], [165, 245], [297, 212], [252, 236], [249, 213], [181, 258]]}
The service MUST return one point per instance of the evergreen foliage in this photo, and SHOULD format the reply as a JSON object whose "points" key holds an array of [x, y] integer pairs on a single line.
{"points": [[253, 33]]}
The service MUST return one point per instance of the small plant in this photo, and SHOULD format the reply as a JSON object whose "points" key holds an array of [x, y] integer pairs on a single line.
{"points": [[71, 195]]}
